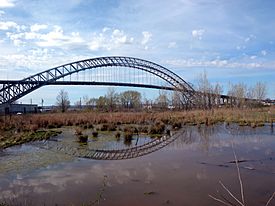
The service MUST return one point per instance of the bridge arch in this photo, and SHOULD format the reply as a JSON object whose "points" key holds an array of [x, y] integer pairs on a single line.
{"points": [[14, 89]]}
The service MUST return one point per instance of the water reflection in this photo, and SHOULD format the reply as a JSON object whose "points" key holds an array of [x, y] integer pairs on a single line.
{"points": [[192, 164]]}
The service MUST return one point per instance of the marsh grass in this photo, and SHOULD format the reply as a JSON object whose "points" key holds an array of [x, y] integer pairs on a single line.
{"points": [[95, 134], [128, 136], [157, 128], [117, 135], [152, 122], [111, 120], [80, 136]]}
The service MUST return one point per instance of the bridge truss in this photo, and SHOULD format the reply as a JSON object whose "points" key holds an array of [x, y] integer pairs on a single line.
{"points": [[12, 90]]}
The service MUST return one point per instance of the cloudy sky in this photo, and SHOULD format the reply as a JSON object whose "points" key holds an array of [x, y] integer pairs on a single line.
{"points": [[233, 41]]}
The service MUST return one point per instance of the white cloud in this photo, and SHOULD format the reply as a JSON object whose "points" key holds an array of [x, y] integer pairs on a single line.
{"points": [[22, 38], [240, 47], [264, 52], [57, 38], [38, 27], [146, 37], [31, 60], [253, 57], [172, 45], [6, 3], [6, 25], [97, 42], [247, 39], [105, 29], [16, 38], [214, 63], [197, 34], [1, 13], [119, 37], [250, 38], [109, 39]]}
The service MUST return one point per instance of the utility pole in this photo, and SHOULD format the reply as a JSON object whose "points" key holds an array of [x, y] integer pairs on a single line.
{"points": [[42, 102]]}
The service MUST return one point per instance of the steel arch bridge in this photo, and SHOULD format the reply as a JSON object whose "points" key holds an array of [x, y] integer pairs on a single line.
{"points": [[12, 90]]}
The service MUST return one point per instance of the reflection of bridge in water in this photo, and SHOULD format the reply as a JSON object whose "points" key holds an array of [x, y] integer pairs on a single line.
{"points": [[114, 154]]}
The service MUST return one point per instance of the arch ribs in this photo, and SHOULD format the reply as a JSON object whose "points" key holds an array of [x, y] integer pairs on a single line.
{"points": [[13, 90]]}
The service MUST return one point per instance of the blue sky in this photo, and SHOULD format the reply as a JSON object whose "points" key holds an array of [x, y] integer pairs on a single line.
{"points": [[233, 41]]}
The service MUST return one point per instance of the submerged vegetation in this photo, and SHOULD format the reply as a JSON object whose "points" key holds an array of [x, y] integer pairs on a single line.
{"points": [[9, 139]]}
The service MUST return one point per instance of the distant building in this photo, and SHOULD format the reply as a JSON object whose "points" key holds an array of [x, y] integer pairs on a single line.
{"points": [[268, 102], [18, 109]]}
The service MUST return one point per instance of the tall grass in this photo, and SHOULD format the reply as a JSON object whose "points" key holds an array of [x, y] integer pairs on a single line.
{"points": [[251, 117]]}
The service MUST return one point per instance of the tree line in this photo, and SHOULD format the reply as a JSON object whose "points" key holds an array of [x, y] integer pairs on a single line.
{"points": [[113, 100], [240, 95], [208, 96]]}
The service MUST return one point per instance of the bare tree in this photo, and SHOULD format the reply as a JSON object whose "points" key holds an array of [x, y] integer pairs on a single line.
{"points": [[238, 93], [91, 102], [162, 101], [62, 100], [217, 91], [130, 99], [112, 98], [85, 100], [101, 102], [78, 103], [256, 92], [177, 102], [205, 88], [259, 91]]}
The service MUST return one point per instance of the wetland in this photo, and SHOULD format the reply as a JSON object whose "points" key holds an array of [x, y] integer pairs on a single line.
{"points": [[55, 170]]}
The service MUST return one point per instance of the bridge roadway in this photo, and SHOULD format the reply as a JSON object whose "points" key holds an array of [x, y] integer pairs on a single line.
{"points": [[93, 83], [96, 83]]}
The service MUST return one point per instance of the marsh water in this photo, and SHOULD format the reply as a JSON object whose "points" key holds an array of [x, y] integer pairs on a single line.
{"points": [[184, 172]]}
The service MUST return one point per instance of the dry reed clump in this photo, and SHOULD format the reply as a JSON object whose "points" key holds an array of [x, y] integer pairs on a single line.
{"points": [[83, 138], [104, 127], [130, 129], [80, 136], [112, 127], [143, 129], [108, 127], [78, 131], [128, 136], [95, 134], [176, 125], [157, 128], [117, 135]]}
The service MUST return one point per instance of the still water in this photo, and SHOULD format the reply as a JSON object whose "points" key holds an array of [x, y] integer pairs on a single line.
{"points": [[184, 172]]}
